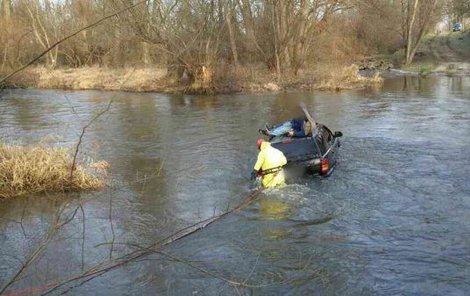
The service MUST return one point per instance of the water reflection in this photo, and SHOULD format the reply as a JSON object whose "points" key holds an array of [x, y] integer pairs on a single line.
{"points": [[271, 209]]}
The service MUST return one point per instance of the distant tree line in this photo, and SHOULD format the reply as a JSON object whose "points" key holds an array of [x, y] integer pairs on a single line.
{"points": [[197, 37]]}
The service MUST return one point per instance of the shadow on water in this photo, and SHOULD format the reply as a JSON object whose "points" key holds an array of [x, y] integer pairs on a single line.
{"points": [[392, 219]]}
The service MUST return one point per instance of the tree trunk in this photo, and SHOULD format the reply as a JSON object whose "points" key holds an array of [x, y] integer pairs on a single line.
{"points": [[249, 25], [6, 8], [5, 56], [299, 40], [422, 31], [42, 36], [426, 10], [409, 32], [145, 53], [233, 45], [275, 25]]}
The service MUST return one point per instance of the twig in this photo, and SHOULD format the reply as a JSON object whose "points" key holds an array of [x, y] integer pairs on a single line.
{"points": [[190, 264], [119, 243], [238, 291], [21, 221], [212, 274], [253, 269], [100, 269], [112, 226], [83, 236], [82, 134], [69, 219], [205, 271], [71, 106], [36, 253]]}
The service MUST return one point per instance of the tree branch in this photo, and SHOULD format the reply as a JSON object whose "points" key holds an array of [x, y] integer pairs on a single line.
{"points": [[81, 137]]}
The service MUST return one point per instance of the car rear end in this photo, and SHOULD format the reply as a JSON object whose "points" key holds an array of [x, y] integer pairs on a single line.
{"points": [[312, 155], [303, 155]]}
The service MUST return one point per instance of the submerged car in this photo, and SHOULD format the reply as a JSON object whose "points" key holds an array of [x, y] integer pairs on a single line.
{"points": [[457, 27], [314, 155]]}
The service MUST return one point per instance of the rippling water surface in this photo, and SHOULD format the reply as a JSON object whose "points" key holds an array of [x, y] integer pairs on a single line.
{"points": [[393, 219]]}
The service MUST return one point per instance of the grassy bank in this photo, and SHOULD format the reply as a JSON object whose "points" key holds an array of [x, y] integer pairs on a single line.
{"points": [[446, 53], [36, 169], [227, 80]]}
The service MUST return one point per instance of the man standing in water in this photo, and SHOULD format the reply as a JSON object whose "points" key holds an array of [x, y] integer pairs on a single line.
{"points": [[269, 165]]}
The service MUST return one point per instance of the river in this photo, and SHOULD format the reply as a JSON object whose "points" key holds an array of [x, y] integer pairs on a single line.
{"points": [[393, 219]]}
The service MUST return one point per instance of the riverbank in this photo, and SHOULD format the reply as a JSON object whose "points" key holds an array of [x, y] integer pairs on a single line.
{"points": [[442, 54], [240, 80], [446, 53]]}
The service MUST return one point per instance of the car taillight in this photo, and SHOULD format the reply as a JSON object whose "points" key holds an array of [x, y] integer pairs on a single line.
{"points": [[287, 141], [324, 166]]}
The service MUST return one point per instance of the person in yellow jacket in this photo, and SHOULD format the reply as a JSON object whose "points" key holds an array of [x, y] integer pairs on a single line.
{"points": [[269, 165]]}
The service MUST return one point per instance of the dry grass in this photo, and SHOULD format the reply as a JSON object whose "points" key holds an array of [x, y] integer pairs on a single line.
{"points": [[36, 169], [225, 79], [346, 78], [102, 78]]}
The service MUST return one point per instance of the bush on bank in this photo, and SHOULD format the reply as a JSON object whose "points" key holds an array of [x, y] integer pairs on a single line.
{"points": [[36, 169]]}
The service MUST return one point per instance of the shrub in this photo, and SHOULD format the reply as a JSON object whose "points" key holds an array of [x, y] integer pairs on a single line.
{"points": [[35, 169]]}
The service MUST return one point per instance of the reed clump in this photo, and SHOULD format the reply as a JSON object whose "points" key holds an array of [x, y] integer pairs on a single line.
{"points": [[36, 169]]}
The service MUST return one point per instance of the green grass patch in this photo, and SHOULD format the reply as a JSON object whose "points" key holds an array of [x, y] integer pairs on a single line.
{"points": [[422, 69]]}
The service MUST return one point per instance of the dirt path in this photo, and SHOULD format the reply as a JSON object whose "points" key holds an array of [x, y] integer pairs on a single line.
{"points": [[450, 51], [441, 51]]}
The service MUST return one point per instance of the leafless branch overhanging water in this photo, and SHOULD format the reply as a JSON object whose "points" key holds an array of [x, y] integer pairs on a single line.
{"points": [[56, 226], [102, 267], [234, 283], [83, 133]]}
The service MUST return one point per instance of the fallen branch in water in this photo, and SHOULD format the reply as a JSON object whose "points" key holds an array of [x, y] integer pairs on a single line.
{"points": [[101, 269], [190, 264]]}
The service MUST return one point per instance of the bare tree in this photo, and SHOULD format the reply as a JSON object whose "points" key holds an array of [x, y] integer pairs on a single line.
{"points": [[43, 34], [6, 8], [228, 14], [196, 39], [419, 16]]}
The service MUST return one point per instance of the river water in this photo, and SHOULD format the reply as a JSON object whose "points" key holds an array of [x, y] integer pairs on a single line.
{"points": [[393, 219]]}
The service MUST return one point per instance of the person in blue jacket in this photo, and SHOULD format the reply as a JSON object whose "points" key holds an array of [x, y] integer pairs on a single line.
{"points": [[297, 127]]}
